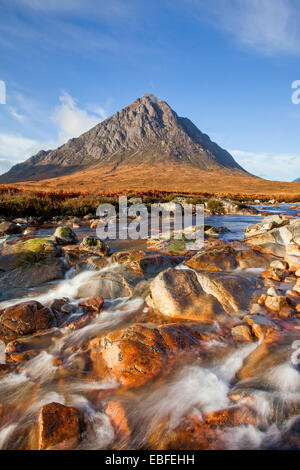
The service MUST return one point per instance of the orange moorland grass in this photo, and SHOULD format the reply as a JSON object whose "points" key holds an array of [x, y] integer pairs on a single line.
{"points": [[162, 179]]}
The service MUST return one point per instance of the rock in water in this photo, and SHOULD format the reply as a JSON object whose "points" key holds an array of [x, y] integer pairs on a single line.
{"points": [[24, 319], [9, 228], [65, 236], [58, 427], [141, 352], [177, 293]]}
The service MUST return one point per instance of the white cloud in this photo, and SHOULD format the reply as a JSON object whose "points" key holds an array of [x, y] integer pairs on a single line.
{"points": [[15, 147], [73, 121], [268, 26], [15, 114], [280, 167]]}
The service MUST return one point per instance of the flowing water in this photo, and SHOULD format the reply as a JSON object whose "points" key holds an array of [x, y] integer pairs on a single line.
{"points": [[59, 373]]}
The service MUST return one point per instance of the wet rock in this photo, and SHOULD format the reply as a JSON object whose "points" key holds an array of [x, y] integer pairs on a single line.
{"points": [[242, 333], [177, 293], [274, 350], [276, 303], [260, 325], [95, 246], [274, 274], [65, 236], [214, 259], [142, 352], [9, 228], [95, 304], [117, 415], [233, 291], [279, 265], [252, 259], [148, 265], [98, 262], [268, 224], [58, 427], [24, 319], [31, 276], [197, 433], [111, 284]]}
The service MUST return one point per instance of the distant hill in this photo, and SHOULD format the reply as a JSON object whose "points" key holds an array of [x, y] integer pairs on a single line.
{"points": [[297, 180]]}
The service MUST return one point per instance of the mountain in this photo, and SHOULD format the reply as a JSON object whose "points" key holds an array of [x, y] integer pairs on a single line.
{"points": [[297, 180], [147, 133]]}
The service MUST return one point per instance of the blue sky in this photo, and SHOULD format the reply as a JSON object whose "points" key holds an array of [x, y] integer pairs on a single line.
{"points": [[228, 65]]}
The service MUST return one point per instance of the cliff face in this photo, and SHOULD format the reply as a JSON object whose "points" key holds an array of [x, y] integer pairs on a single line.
{"points": [[146, 132]]}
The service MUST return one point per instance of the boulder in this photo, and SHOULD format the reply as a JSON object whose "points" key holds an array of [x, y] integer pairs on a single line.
{"points": [[95, 304], [248, 259], [242, 333], [58, 427], [177, 293], [65, 236], [111, 284], [270, 222], [148, 265], [94, 246], [31, 276], [141, 352], [24, 319], [214, 259], [233, 291], [9, 228], [196, 432], [273, 351]]}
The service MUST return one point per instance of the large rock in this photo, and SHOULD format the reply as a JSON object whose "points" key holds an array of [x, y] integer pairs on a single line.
{"points": [[9, 228], [277, 235], [26, 277], [111, 284], [274, 350], [141, 352], [94, 246], [177, 293], [58, 427], [24, 319], [148, 265], [65, 236], [214, 259], [268, 223], [233, 291]]}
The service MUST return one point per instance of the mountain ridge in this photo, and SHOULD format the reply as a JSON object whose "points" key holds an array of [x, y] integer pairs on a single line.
{"points": [[147, 132]]}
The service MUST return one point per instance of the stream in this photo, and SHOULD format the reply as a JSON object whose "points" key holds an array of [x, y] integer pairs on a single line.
{"points": [[61, 373]]}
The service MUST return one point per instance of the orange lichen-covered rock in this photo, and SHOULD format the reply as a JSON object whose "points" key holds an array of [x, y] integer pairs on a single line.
{"points": [[94, 304], [58, 427], [214, 259], [141, 352], [24, 319]]}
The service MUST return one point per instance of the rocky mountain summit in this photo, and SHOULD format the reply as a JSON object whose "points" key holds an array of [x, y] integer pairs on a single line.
{"points": [[147, 132]]}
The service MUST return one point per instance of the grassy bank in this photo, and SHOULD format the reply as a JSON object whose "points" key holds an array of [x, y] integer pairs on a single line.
{"points": [[16, 202]]}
